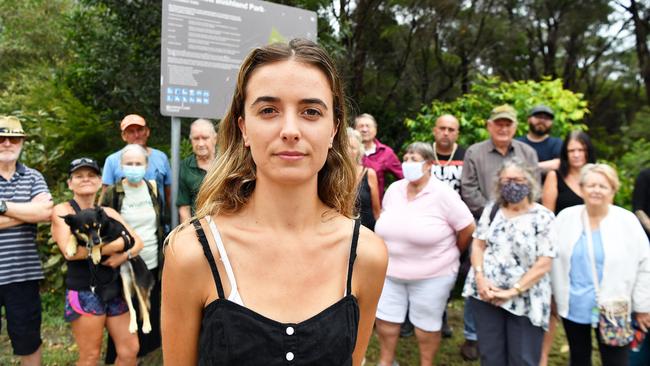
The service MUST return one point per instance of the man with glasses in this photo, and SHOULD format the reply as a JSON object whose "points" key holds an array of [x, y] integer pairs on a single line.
{"points": [[482, 160], [24, 201], [540, 122]]}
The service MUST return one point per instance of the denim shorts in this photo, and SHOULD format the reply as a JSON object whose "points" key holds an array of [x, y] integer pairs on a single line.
{"points": [[84, 302]]}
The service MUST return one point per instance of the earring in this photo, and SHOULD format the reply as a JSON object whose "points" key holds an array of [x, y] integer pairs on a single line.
{"points": [[331, 144]]}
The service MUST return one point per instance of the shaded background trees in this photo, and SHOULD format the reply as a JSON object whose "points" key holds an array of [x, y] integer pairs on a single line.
{"points": [[72, 69]]}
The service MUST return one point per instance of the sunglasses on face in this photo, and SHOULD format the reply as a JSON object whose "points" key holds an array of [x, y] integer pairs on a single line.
{"points": [[13, 139]]}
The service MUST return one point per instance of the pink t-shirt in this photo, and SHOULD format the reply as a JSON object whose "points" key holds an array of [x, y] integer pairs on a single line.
{"points": [[421, 234]]}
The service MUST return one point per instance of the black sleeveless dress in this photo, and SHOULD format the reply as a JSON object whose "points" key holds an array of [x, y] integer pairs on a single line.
{"points": [[566, 197], [364, 202], [232, 334]]}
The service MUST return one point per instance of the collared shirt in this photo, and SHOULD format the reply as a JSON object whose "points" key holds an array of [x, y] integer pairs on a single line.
{"points": [[482, 161], [383, 160], [19, 259], [158, 169], [420, 234], [190, 179]]}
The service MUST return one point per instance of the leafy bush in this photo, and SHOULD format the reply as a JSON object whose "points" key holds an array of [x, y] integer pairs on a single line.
{"points": [[473, 109]]}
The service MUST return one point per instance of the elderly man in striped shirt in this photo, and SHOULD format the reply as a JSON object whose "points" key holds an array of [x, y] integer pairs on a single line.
{"points": [[24, 201]]}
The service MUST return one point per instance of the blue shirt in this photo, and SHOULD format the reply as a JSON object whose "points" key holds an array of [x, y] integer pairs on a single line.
{"points": [[546, 150], [582, 294], [158, 169]]}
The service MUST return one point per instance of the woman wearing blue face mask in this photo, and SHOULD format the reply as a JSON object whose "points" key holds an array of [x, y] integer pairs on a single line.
{"points": [[509, 282], [425, 226], [136, 199]]}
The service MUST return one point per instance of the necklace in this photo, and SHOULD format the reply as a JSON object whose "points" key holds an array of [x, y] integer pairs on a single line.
{"points": [[451, 156]]}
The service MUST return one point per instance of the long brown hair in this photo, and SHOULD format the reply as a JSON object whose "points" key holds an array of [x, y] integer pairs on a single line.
{"points": [[229, 183]]}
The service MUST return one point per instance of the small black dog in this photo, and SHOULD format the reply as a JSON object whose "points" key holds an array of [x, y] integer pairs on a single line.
{"points": [[95, 228]]}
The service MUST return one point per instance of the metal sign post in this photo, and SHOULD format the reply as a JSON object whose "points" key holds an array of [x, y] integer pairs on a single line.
{"points": [[176, 153], [203, 43]]}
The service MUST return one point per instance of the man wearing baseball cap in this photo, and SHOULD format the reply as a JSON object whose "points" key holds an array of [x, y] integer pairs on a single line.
{"points": [[135, 131], [24, 202], [482, 160], [540, 121]]}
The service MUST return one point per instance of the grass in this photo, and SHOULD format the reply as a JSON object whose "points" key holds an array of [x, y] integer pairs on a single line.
{"points": [[59, 348]]}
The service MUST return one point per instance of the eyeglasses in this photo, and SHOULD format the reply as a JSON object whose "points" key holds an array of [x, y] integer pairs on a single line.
{"points": [[513, 180], [82, 161], [13, 139]]}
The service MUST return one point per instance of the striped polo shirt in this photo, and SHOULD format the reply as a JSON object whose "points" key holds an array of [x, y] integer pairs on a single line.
{"points": [[19, 259]]}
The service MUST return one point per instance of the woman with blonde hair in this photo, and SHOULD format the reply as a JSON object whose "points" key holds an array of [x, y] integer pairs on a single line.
{"points": [[295, 278], [368, 205], [603, 259]]}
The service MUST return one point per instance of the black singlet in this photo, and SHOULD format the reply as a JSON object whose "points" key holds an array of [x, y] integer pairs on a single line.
{"points": [[566, 197], [232, 334], [364, 202]]}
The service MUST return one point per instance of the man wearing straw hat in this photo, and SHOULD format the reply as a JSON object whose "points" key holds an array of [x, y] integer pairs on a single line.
{"points": [[24, 202]]}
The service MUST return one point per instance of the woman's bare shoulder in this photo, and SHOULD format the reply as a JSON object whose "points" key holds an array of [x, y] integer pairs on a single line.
{"points": [[183, 249], [372, 255]]}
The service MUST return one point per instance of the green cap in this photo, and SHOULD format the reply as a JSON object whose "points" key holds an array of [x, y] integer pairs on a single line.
{"points": [[503, 112]]}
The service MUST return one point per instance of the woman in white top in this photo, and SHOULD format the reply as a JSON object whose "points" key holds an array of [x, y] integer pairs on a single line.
{"points": [[136, 199], [622, 260]]}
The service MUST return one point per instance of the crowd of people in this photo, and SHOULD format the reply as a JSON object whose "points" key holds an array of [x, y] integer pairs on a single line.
{"points": [[303, 248]]}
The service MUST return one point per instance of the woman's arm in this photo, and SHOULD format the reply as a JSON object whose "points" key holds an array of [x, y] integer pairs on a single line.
{"points": [[549, 191], [367, 282], [483, 285], [528, 280], [374, 192], [61, 233], [183, 297], [464, 237]]}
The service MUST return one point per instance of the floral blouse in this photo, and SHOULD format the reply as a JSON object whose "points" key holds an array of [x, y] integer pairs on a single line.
{"points": [[512, 247]]}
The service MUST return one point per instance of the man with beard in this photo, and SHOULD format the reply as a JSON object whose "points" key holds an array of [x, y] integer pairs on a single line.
{"points": [[448, 163], [540, 121], [203, 137]]}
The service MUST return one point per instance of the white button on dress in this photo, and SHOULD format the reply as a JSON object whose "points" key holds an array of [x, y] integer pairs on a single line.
{"points": [[290, 331], [289, 356]]}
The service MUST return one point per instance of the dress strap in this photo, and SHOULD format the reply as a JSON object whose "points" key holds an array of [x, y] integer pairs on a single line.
{"points": [[353, 254], [200, 234]]}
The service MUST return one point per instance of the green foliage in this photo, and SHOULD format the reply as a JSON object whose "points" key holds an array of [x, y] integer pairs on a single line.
{"points": [[474, 108]]}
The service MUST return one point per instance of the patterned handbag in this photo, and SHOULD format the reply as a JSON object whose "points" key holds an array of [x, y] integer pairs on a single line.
{"points": [[614, 321]]}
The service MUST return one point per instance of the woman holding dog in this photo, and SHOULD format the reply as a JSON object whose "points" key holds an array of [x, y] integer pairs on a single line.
{"points": [[276, 270], [87, 313], [137, 201]]}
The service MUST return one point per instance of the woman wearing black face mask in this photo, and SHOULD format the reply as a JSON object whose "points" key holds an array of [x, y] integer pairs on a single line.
{"points": [[509, 283]]}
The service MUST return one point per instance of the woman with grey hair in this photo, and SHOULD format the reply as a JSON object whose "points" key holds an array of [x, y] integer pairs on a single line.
{"points": [[368, 204], [603, 263], [426, 226], [137, 201], [509, 284]]}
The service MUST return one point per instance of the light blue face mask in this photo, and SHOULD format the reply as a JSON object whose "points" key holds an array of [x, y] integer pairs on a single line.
{"points": [[133, 174]]}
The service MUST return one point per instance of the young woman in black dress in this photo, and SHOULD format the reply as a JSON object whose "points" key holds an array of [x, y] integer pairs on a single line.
{"points": [[276, 271]]}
